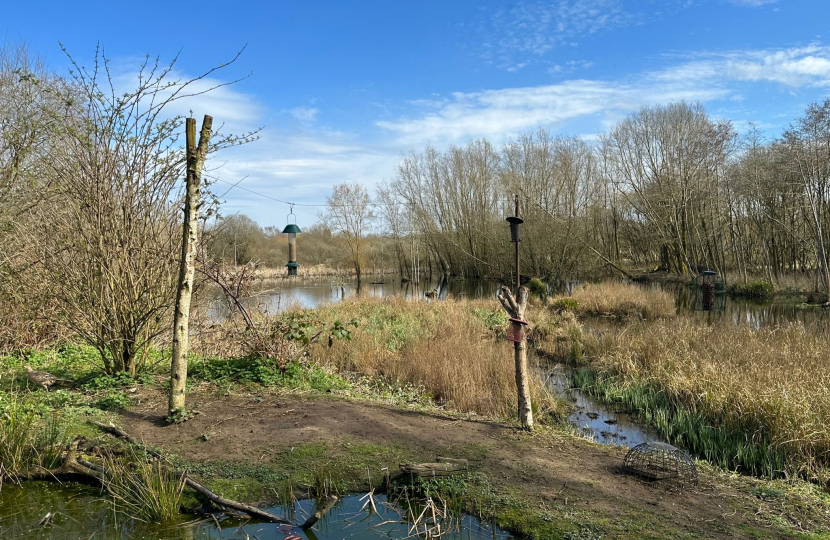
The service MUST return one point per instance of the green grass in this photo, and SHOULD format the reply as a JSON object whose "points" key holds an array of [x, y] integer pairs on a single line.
{"points": [[756, 290], [741, 448]]}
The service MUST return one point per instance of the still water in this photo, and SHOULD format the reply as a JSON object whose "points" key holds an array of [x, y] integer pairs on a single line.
{"points": [[278, 295], [83, 512]]}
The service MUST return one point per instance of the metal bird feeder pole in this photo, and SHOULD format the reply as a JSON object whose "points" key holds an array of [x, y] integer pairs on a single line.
{"points": [[515, 307]]}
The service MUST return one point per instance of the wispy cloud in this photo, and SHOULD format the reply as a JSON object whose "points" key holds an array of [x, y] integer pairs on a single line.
{"points": [[501, 113], [514, 37], [752, 3], [304, 114]]}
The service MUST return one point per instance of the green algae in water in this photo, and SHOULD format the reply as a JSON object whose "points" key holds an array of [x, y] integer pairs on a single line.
{"points": [[83, 512]]}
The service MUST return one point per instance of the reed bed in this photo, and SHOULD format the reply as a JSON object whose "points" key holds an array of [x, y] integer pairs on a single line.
{"points": [[619, 300], [757, 401], [455, 351]]}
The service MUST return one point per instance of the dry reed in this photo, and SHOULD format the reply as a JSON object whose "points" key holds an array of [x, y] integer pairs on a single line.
{"points": [[454, 350], [767, 389], [621, 300]]}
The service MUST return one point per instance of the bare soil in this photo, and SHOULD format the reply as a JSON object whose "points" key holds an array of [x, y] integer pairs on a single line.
{"points": [[552, 469]]}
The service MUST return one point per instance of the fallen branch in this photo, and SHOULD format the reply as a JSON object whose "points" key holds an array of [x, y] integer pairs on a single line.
{"points": [[218, 499], [228, 503], [315, 517]]}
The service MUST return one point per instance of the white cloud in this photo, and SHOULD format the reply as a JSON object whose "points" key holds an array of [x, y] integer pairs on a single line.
{"points": [[499, 114], [752, 3], [304, 114], [513, 35]]}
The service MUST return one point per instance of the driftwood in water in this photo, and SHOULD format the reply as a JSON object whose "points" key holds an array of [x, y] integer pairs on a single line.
{"points": [[219, 500], [443, 467], [315, 517], [227, 503]]}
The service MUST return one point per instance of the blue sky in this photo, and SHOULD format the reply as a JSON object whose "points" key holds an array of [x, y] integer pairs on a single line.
{"points": [[342, 89]]}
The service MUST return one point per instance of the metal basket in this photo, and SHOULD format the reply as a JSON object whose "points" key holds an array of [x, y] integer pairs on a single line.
{"points": [[661, 461]]}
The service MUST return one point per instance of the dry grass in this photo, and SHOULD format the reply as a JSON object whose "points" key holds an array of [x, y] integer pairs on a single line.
{"points": [[768, 389], [621, 300], [454, 350]]}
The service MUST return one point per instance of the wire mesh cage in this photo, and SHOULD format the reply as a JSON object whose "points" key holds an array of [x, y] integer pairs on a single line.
{"points": [[661, 461], [709, 292]]}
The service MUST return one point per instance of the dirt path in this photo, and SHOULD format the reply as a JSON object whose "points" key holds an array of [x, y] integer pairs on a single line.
{"points": [[557, 472]]}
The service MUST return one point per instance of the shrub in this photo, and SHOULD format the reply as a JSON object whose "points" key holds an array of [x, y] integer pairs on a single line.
{"points": [[538, 288], [758, 290]]}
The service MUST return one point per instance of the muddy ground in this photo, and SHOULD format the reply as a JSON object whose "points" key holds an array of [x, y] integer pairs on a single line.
{"points": [[555, 472]]}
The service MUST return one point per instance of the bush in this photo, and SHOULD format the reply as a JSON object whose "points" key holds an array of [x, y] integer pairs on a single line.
{"points": [[564, 303], [538, 288], [758, 290]]}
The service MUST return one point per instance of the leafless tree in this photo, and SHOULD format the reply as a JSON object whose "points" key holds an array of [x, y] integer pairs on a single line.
{"points": [[349, 213], [110, 236]]}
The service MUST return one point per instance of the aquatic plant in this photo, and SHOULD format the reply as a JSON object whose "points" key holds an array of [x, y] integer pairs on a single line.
{"points": [[145, 490]]}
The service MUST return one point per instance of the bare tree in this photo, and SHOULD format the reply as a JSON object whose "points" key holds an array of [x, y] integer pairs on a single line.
{"points": [[109, 236], [808, 142], [349, 213]]}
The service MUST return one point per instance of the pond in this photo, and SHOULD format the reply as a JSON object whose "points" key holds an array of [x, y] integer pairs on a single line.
{"points": [[277, 295], [83, 512]]}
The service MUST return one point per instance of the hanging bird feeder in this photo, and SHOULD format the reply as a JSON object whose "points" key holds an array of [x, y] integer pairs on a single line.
{"points": [[292, 230], [709, 292]]}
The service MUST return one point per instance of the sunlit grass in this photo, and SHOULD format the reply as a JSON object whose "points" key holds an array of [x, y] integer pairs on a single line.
{"points": [[758, 401], [455, 351], [615, 299]]}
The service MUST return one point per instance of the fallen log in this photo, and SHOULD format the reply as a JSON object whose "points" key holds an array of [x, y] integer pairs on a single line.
{"points": [[235, 505], [315, 517], [428, 470], [218, 499]]}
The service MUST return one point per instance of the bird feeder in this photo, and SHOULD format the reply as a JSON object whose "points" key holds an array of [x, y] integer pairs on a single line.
{"points": [[709, 292], [516, 332], [515, 221], [292, 230]]}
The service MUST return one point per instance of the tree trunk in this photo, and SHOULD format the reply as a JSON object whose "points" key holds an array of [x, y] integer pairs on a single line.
{"points": [[181, 321], [516, 309]]}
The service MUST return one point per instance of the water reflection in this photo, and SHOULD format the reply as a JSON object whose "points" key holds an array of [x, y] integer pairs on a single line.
{"points": [[594, 420], [741, 311], [83, 512]]}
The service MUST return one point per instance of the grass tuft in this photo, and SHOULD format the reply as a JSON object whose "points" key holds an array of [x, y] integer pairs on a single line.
{"points": [[619, 300]]}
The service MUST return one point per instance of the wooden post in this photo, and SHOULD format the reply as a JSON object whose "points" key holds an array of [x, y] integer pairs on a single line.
{"points": [[515, 307], [187, 268]]}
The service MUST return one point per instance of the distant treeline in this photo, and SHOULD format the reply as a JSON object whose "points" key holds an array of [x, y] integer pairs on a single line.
{"points": [[667, 187]]}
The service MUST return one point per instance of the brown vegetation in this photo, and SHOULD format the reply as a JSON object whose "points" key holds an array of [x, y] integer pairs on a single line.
{"points": [[621, 300], [454, 350], [767, 389]]}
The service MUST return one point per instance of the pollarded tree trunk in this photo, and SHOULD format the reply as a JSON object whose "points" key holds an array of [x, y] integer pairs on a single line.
{"points": [[516, 309], [187, 269]]}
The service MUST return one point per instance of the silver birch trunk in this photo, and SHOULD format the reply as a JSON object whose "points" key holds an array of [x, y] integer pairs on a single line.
{"points": [[187, 269]]}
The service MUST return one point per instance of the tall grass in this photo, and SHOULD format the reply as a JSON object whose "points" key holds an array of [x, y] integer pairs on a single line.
{"points": [[28, 441], [143, 490], [758, 401], [454, 350], [620, 300]]}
